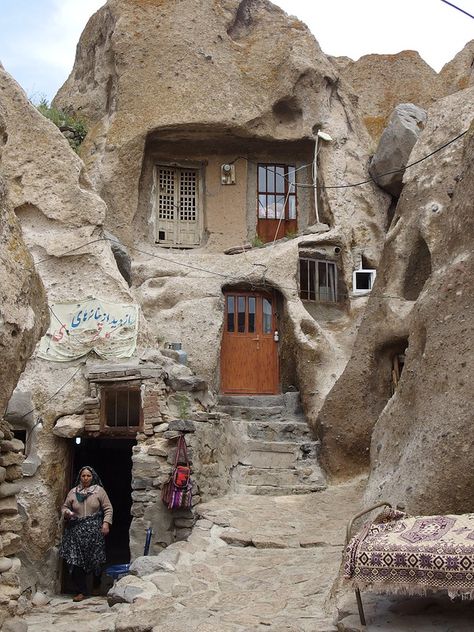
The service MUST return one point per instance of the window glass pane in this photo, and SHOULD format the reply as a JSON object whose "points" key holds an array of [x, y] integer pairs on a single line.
{"points": [[262, 178], [332, 282], [271, 178], [322, 281], [271, 206], [267, 324], [291, 207], [251, 314], [262, 206], [280, 206], [312, 280], [304, 279], [280, 179], [241, 314], [291, 176], [230, 314]]}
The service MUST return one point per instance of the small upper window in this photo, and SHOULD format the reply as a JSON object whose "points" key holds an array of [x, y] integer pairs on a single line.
{"points": [[363, 280], [318, 280], [121, 409]]}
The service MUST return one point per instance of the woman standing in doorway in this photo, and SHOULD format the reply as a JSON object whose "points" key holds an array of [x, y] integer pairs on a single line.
{"points": [[88, 514]]}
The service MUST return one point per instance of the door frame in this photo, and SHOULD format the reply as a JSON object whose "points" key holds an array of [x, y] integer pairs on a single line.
{"points": [[259, 294]]}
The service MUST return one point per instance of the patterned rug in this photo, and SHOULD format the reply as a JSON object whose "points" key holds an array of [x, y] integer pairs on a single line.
{"points": [[413, 555]]}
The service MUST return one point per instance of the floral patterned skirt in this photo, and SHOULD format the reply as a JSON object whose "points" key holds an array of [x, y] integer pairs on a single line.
{"points": [[83, 543]]}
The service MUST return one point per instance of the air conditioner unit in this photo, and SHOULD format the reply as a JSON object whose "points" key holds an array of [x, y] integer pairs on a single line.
{"points": [[363, 280]]}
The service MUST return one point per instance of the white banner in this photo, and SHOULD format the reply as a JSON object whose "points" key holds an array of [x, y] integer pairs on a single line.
{"points": [[109, 329]]}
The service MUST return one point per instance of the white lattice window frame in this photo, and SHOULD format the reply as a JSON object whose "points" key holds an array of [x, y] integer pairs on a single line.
{"points": [[175, 239]]}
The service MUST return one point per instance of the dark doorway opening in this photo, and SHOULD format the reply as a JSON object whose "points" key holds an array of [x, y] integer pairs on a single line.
{"points": [[112, 460]]}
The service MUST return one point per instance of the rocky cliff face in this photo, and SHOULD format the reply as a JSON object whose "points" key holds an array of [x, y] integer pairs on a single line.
{"points": [[23, 320], [209, 70], [381, 82], [418, 313], [49, 195], [207, 73]]}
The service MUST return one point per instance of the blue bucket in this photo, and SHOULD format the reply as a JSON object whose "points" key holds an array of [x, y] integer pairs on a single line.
{"points": [[117, 570]]}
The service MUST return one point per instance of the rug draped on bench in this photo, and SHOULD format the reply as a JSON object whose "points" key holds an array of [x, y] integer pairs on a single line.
{"points": [[413, 555]]}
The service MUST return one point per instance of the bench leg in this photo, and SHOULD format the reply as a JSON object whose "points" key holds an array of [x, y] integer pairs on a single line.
{"points": [[360, 607]]}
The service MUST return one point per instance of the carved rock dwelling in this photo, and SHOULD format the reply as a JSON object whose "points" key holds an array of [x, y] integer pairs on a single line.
{"points": [[209, 273]]}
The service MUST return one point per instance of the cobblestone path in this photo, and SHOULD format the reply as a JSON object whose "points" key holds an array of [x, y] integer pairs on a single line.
{"points": [[251, 563]]}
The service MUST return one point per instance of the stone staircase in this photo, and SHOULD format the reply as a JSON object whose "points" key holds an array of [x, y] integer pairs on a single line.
{"points": [[278, 456]]}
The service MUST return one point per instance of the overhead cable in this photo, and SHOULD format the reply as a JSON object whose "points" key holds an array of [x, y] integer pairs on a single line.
{"points": [[458, 8]]}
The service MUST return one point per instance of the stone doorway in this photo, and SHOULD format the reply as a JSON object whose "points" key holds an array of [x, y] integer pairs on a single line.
{"points": [[111, 457]]}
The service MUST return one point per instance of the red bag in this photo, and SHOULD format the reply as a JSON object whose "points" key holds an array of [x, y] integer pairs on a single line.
{"points": [[181, 475], [176, 492]]}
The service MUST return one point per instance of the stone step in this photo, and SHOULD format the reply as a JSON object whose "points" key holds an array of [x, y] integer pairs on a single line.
{"points": [[279, 454], [282, 490], [253, 401], [309, 475], [289, 401], [284, 430], [263, 413]]}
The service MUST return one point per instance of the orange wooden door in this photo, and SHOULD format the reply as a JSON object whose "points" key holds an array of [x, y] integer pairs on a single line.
{"points": [[249, 353]]}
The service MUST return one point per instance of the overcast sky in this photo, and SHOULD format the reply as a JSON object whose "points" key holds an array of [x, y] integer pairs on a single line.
{"points": [[38, 37]]}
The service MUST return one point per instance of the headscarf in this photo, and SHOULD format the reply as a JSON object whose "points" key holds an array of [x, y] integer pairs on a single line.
{"points": [[82, 494]]}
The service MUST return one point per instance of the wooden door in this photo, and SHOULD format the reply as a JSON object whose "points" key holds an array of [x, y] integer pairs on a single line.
{"points": [[177, 193], [249, 354]]}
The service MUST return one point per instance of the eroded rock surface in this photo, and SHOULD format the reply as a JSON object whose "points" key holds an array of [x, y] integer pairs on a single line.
{"points": [[381, 82], [419, 314], [23, 319], [395, 145]]}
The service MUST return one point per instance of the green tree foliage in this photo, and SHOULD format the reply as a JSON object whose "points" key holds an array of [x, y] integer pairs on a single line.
{"points": [[73, 128]]}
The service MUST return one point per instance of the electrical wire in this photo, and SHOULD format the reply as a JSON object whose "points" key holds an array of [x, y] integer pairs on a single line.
{"points": [[458, 8], [229, 277], [355, 184]]}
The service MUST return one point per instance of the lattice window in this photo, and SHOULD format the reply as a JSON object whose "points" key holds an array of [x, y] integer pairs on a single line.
{"points": [[177, 206], [166, 194], [188, 195]]}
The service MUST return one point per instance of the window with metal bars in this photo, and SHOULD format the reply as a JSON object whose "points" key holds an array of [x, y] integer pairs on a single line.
{"points": [[276, 191], [121, 409], [318, 280]]}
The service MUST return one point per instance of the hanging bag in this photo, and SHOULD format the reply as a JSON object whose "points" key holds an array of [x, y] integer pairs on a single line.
{"points": [[176, 492]]}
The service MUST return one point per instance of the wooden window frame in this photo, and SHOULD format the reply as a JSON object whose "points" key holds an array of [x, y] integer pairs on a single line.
{"points": [[119, 430], [197, 167], [287, 194], [316, 289]]}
